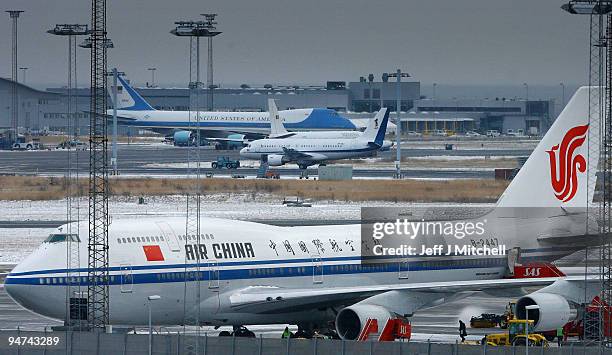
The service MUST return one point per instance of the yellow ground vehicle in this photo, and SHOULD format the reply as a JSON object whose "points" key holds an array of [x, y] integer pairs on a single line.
{"points": [[516, 335]]}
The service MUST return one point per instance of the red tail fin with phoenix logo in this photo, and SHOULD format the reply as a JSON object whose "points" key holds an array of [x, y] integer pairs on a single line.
{"points": [[564, 165]]}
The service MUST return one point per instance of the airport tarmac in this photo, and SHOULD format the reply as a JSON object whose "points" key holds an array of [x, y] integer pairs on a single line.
{"points": [[439, 323], [162, 159]]}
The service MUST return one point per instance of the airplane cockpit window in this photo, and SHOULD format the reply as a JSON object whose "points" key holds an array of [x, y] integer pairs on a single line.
{"points": [[59, 238]]}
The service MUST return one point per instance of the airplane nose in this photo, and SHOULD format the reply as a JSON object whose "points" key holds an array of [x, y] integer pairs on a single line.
{"points": [[12, 289]]}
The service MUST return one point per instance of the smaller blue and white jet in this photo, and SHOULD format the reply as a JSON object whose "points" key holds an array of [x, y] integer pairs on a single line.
{"points": [[306, 151]]}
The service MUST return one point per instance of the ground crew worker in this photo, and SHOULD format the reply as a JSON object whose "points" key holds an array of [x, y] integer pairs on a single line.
{"points": [[462, 330], [559, 335], [286, 333]]}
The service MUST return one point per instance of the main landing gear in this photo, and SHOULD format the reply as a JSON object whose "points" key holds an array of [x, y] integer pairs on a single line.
{"points": [[303, 171], [238, 331]]}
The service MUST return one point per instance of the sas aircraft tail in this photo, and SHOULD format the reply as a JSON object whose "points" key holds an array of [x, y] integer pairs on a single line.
{"points": [[128, 98], [561, 171]]}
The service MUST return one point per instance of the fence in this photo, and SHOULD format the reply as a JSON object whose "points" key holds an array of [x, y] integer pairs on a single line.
{"points": [[138, 344]]}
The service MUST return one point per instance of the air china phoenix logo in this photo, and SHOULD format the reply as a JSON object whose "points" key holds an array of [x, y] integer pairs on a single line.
{"points": [[565, 164]]}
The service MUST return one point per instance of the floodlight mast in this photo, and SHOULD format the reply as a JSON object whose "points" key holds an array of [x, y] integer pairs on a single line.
{"points": [[73, 258], [14, 15], [70, 31], [210, 24], [97, 270], [191, 291], [598, 219]]}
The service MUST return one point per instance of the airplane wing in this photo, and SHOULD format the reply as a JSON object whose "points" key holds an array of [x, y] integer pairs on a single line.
{"points": [[269, 299], [295, 155]]}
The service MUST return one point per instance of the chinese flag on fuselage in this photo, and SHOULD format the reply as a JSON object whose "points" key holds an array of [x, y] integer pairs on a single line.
{"points": [[153, 252]]}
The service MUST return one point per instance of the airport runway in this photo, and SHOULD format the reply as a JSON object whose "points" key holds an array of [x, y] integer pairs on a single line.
{"points": [[157, 159]]}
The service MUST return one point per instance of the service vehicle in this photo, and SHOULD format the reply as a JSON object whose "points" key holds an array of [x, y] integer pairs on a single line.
{"points": [[225, 162], [520, 332]]}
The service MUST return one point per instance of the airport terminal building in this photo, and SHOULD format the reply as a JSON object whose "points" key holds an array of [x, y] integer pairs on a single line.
{"points": [[46, 110]]}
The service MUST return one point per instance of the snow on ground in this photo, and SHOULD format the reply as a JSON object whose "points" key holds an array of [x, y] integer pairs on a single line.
{"points": [[16, 243]]}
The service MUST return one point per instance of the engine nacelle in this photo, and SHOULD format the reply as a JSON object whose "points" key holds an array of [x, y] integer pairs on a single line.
{"points": [[554, 312], [350, 321], [276, 160], [182, 138]]}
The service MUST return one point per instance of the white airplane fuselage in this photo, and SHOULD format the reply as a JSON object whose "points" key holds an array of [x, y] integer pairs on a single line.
{"points": [[235, 255], [320, 149], [242, 122]]}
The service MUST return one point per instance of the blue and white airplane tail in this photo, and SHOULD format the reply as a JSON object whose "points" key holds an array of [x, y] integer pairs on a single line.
{"points": [[377, 127], [128, 99]]}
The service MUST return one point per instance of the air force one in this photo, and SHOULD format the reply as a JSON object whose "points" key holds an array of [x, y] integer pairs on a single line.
{"points": [[313, 276], [133, 110], [310, 148]]}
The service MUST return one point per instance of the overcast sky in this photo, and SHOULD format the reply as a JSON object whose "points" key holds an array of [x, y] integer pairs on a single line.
{"points": [[466, 42]]}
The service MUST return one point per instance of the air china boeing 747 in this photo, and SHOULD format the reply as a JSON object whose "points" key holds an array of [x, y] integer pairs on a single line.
{"points": [[313, 276]]}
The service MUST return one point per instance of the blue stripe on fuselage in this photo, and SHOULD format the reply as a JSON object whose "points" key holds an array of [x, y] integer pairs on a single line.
{"points": [[255, 273], [319, 118]]}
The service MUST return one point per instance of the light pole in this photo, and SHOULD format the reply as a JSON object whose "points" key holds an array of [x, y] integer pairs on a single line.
{"points": [[398, 125], [114, 168], [434, 92], [370, 80], [23, 74], [210, 24], [562, 96], [149, 299], [14, 15], [527, 309], [70, 31], [152, 70]]}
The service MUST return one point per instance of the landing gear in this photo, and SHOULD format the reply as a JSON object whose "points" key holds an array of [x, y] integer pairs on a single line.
{"points": [[310, 330], [242, 331], [303, 171], [238, 331]]}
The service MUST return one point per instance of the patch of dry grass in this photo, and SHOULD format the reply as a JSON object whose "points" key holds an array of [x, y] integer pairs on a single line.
{"points": [[53, 188]]}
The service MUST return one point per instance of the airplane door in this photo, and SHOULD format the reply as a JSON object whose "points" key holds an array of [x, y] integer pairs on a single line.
{"points": [[317, 269], [169, 236], [127, 278], [404, 268], [213, 274]]}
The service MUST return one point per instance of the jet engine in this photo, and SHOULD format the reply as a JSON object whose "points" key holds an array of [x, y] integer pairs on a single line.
{"points": [[182, 138], [275, 160], [350, 321], [554, 312]]}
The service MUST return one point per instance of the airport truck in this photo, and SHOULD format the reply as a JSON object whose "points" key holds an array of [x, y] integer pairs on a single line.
{"points": [[516, 335], [23, 144], [225, 162]]}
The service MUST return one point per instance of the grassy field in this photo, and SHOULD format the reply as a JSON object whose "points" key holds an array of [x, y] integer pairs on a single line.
{"points": [[53, 188]]}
